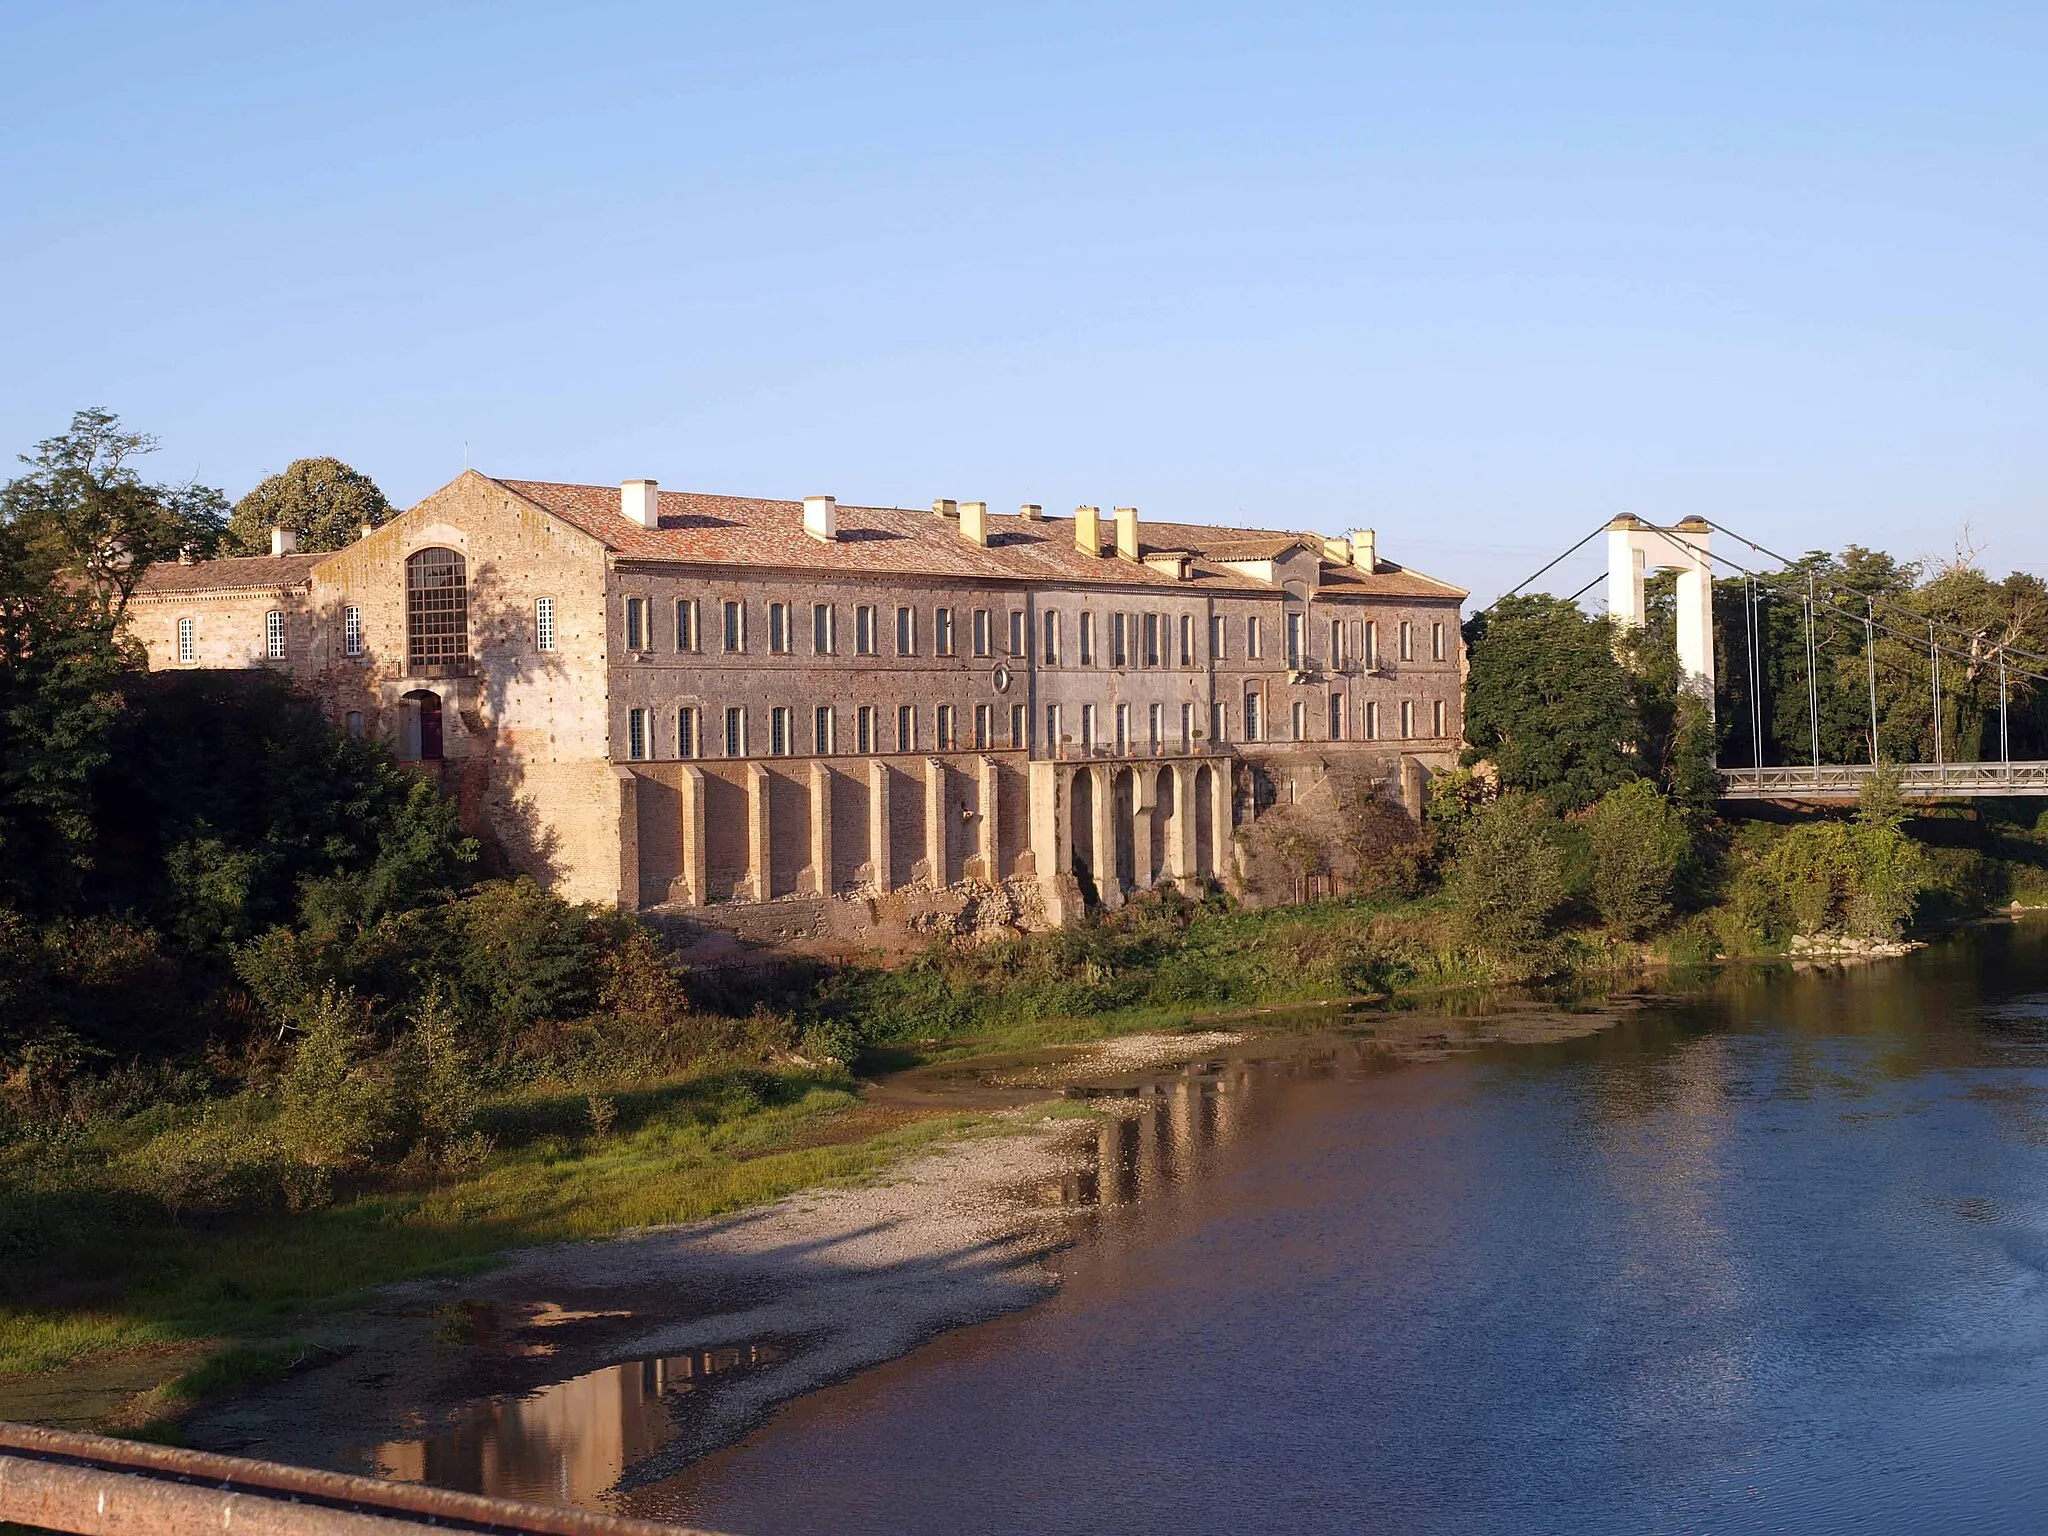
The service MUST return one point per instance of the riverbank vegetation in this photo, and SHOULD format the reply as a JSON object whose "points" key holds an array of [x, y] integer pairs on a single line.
{"points": [[274, 1029]]}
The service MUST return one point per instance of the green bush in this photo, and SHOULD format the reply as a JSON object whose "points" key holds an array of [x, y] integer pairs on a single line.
{"points": [[1640, 842], [1507, 881]]}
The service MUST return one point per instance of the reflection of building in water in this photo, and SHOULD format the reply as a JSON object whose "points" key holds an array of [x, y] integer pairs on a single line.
{"points": [[571, 1442]]}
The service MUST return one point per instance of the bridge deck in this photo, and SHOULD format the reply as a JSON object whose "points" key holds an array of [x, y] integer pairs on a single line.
{"points": [[1917, 781]]}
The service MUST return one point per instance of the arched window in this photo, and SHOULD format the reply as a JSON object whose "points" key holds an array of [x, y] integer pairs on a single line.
{"points": [[436, 607]]}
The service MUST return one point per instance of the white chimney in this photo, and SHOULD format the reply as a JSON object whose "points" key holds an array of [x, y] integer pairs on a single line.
{"points": [[974, 522], [1031, 512], [1088, 530], [1127, 533], [366, 530], [945, 506], [1365, 552], [283, 541], [821, 517], [640, 501]]}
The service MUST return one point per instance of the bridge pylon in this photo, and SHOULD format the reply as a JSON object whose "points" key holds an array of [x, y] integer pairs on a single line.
{"points": [[1634, 549]]}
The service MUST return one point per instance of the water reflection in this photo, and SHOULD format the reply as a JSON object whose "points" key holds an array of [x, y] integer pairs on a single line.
{"points": [[1774, 1244], [571, 1442]]}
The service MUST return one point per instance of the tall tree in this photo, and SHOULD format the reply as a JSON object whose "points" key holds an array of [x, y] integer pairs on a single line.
{"points": [[1547, 703], [325, 502], [84, 510]]}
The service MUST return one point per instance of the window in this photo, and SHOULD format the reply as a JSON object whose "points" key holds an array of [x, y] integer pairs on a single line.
{"points": [[1251, 641], [1336, 642], [1298, 720], [824, 730], [1372, 721], [1187, 727], [1052, 729], [355, 724], [735, 732], [1294, 641], [1407, 718], [1371, 655], [735, 636], [1087, 638], [543, 626], [352, 631], [1219, 726], [1018, 725], [779, 726], [1187, 639], [942, 632], [981, 632], [906, 728], [1123, 729], [1336, 717], [1151, 639], [1119, 646], [864, 630], [1087, 727], [1436, 643], [906, 631], [687, 637], [1155, 727], [273, 635], [436, 608], [1436, 721], [981, 727], [824, 629], [864, 729], [1016, 631], [188, 640], [1052, 638], [1407, 641], [1251, 715], [945, 727], [778, 629], [686, 732], [1216, 637], [636, 624], [636, 734]]}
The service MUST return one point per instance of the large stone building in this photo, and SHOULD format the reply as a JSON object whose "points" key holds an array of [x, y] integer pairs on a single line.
{"points": [[649, 698]]}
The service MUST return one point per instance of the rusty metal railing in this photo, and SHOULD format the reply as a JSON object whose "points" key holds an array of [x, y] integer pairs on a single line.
{"points": [[89, 1485]]}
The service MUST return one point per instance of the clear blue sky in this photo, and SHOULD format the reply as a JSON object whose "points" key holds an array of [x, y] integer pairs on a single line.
{"points": [[1477, 275]]}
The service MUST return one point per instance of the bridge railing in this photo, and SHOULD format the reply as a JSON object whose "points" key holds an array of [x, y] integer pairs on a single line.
{"points": [[1918, 781], [55, 1480]]}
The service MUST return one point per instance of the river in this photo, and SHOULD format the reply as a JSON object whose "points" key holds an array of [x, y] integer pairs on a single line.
{"points": [[1767, 1256]]}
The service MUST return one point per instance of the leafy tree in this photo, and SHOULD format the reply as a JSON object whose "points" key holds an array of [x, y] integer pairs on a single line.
{"points": [[1507, 881], [1640, 842], [325, 502], [83, 510], [1546, 701]]}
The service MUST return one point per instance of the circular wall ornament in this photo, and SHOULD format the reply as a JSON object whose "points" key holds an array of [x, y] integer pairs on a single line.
{"points": [[999, 676]]}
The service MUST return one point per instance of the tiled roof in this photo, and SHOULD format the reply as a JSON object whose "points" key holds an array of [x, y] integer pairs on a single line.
{"points": [[244, 573], [742, 530]]}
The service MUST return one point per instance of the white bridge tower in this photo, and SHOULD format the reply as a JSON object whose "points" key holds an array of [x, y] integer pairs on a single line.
{"points": [[1634, 548]]}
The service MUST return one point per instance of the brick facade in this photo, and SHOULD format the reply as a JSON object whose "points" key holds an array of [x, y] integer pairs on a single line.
{"points": [[664, 699]]}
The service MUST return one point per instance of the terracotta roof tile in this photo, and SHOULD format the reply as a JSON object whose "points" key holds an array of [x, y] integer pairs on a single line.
{"points": [[243, 573], [741, 530]]}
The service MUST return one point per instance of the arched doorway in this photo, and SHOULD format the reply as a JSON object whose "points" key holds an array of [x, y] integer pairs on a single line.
{"points": [[423, 725], [1165, 820], [1205, 820], [1081, 811], [1124, 823]]}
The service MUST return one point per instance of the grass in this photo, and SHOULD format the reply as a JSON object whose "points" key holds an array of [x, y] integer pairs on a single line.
{"points": [[678, 1151]]}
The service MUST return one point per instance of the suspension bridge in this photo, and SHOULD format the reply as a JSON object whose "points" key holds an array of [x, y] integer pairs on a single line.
{"points": [[1635, 548]]}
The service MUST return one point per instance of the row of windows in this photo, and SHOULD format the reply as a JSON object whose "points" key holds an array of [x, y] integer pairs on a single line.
{"points": [[875, 731], [1134, 639]]}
